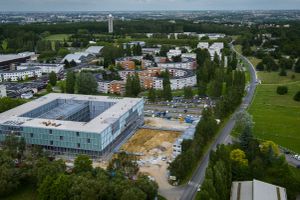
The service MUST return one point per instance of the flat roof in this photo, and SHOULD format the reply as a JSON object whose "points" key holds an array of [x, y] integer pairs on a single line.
{"points": [[256, 190], [8, 57], [96, 125]]}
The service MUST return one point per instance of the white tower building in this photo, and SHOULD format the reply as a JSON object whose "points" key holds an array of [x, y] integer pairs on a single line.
{"points": [[110, 23]]}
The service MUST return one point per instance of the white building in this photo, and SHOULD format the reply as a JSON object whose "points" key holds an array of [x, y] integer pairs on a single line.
{"points": [[186, 63], [78, 57], [216, 48], [96, 50], [151, 51], [46, 68], [103, 86], [203, 45], [189, 55], [173, 53], [20, 74], [256, 190], [110, 23], [3, 91]]}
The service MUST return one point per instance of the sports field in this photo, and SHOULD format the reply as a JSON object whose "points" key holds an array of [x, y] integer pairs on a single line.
{"points": [[277, 117]]}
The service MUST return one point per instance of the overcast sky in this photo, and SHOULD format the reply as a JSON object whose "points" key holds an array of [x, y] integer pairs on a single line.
{"points": [[124, 5]]}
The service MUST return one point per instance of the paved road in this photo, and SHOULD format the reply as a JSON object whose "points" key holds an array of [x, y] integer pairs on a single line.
{"points": [[190, 189]]}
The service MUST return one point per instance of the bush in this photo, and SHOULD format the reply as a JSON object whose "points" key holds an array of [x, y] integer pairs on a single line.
{"points": [[281, 90], [297, 96]]}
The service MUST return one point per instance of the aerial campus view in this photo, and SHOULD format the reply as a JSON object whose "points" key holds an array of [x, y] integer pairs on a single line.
{"points": [[149, 100]]}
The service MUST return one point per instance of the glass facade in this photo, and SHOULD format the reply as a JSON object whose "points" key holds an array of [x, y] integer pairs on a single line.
{"points": [[74, 142]]}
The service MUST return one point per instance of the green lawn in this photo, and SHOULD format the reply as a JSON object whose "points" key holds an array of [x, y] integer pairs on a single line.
{"points": [[274, 78], [58, 37], [28, 192], [277, 117]]}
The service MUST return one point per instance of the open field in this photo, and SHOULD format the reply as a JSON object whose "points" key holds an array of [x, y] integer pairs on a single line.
{"points": [[276, 116], [58, 37], [274, 78]]}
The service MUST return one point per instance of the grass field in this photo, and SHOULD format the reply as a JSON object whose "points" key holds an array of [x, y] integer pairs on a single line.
{"points": [[58, 37], [276, 116]]}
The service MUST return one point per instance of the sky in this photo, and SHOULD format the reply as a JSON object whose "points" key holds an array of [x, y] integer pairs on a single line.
{"points": [[141, 5]]}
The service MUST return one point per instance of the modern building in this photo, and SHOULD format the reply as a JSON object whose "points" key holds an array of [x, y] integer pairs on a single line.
{"points": [[74, 124], [7, 60], [96, 50], [3, 91], [110, 23], [256, 190], [17, 75], [46, 68], [78, 57]]}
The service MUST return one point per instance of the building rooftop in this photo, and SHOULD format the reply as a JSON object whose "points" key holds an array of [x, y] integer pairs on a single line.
{"points": [[50, 120], [8, 57], [94, 49], [256, 190]]}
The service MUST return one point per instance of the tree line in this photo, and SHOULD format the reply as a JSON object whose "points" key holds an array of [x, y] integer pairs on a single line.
{"points": [[246, 159], [21, 166]]}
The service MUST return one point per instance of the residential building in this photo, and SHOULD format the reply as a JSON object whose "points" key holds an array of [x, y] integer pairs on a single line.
{"points": [[203, 45], [46, 68], [186, 63], [117, 87], [22, 74], [150, 51], [74, 124], [173, 53], [256, 190]]}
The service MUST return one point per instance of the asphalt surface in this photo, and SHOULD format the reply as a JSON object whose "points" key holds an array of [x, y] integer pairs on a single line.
{"points": [[190, 189]]}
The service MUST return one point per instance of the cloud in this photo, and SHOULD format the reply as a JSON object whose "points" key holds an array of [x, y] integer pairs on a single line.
{"points": [[101, 5]]}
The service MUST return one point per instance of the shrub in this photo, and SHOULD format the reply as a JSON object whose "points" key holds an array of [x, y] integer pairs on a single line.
{"points": [[281, 90], [297, 96]]}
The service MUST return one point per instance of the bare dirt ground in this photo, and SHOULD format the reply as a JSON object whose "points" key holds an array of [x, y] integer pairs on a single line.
{"points": [[165, 123], [155, 149]]}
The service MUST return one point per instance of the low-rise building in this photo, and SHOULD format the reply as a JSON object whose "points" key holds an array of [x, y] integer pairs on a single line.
{"points": [[203, 45], [117, 87], [186, 63], [256, 190], [150, 51], [46, 68], [77, 57], [173, 53], [8, 60], [18, 75]]}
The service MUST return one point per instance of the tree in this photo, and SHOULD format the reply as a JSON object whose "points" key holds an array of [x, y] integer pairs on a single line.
{"points": [[281, 90], [246, 137], [49, 88], [86, 83], [82, 163], [282, 72], [188, 92], [167, 92], [133, 193], [8, 175], [60, 187], [243, 120], [297, 66], [297, 96], [152, 95], [52, 78], [239, 157], [260, 66], [44, 192], [147, 186], [70, 82], [265, 146]]}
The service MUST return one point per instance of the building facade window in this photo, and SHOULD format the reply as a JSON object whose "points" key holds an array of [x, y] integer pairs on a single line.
{"points": [[31, 134], [88, 140], [78, 145], [77, 134], [51, 142], [61, 137], [50, 131]]}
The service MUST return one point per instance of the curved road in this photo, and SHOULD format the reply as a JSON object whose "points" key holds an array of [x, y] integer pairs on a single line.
{"points": [[190, 189]]}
